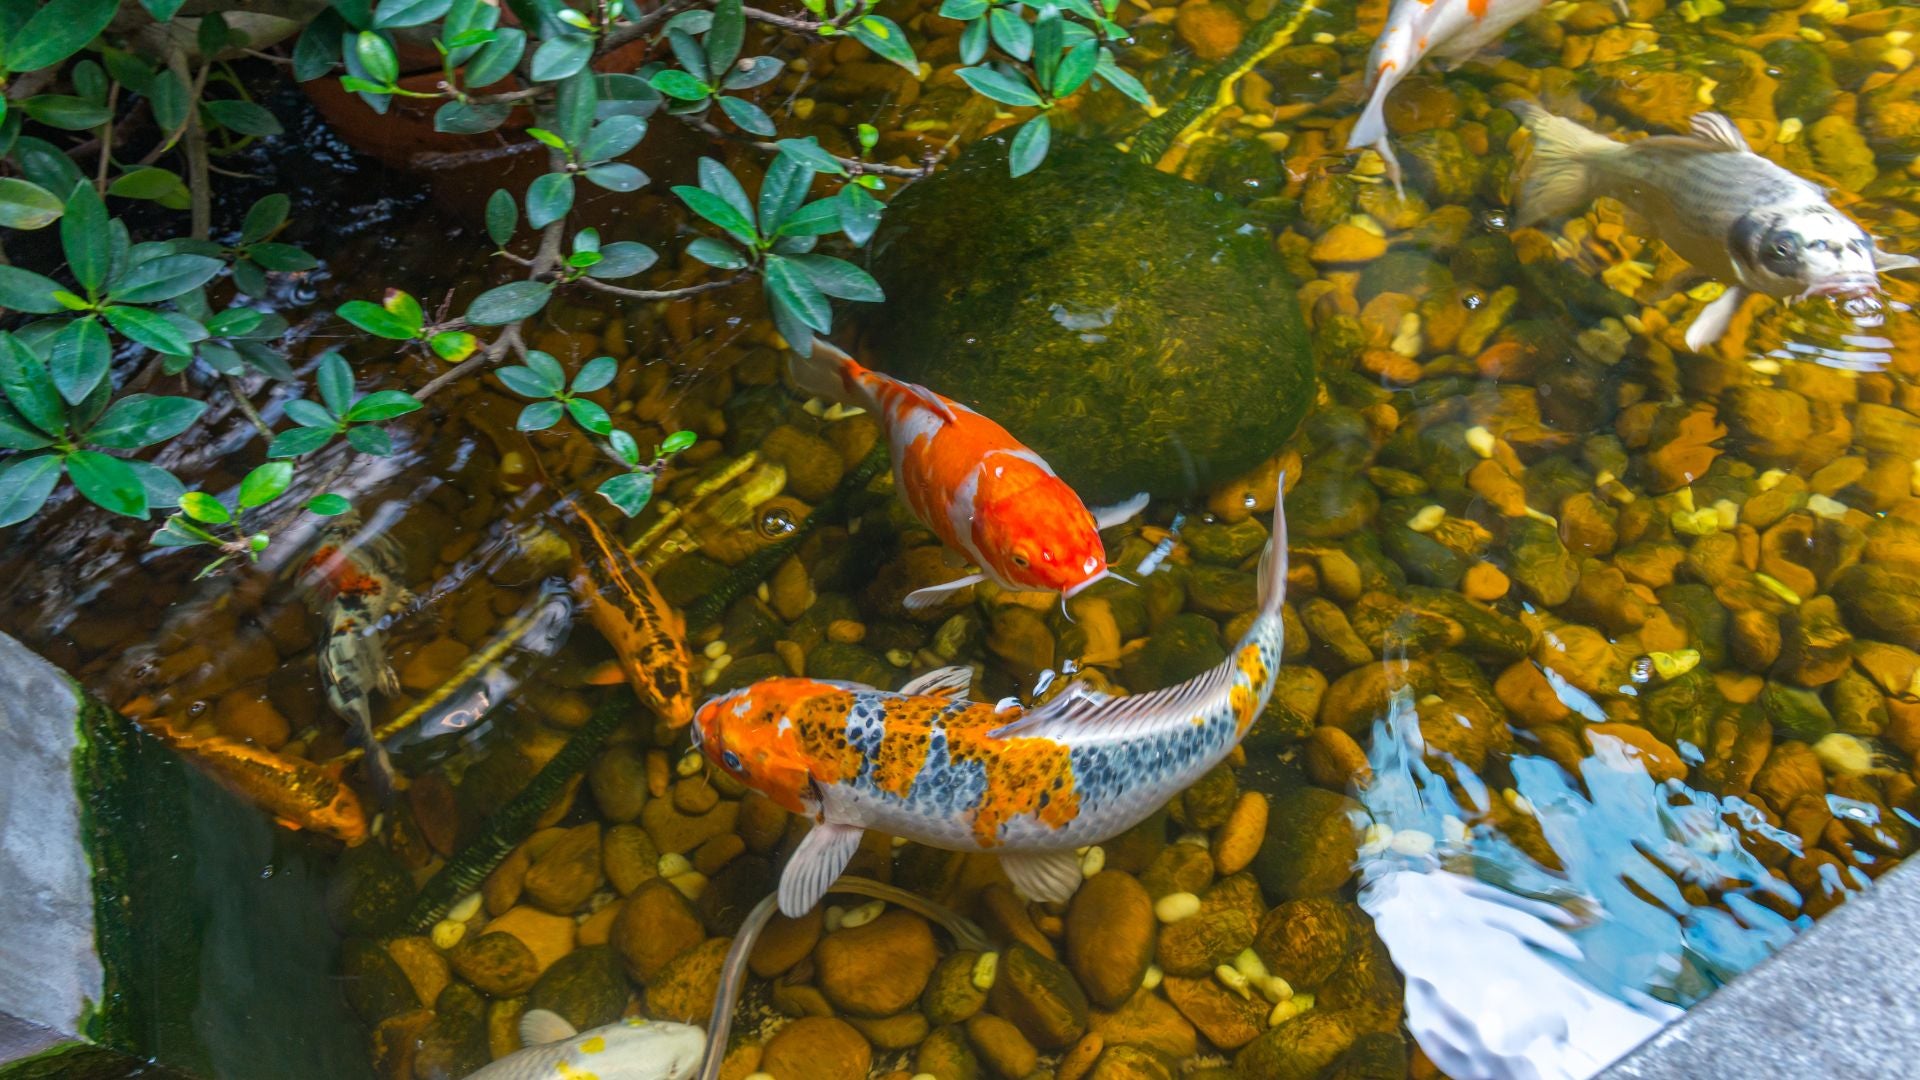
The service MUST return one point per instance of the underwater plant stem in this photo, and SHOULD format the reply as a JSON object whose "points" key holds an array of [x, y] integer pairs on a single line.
{"points": [[755, 568], [508, 826], [106, 141], [496, 350], [245, 406], [664, 294]]}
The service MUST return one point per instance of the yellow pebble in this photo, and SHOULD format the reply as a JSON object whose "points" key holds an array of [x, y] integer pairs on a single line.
{"points": [[1094, 861], [1152, 978], [1672, 665], [986, 970], [673, 863], [715, 649], [1231, 978], [1777, 587], [1831, 509], [802, 108], [1790, 129], [1428, 518], [691, 884], [1480, 440], [863, 914], [1843, 754], [1173, 907], [447, 933], [466, 909], [1898, 59], [690, 763]]}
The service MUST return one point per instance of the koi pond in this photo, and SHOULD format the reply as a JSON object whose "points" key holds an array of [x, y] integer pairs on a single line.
{"points": [[1583, 676]]}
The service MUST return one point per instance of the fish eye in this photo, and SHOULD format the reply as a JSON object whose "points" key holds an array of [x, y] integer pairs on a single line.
{"points": [[1020, 561], [730, 759]]}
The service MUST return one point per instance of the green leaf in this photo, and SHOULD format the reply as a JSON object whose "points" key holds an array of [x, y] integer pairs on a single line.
{"points": [[622, 258], [265, 484], [617, 176], [717, 253], [108, 483], [612, 137], [376, 55], [838, 277], [963, 10], [527, 382], [503, 216], [401, 305], [508, 303], [590, 416], [594, 374], [624, 446], [393, 13], [26, 205], [718, 211], [753, 71], [127, 69], [335, 382], [178, 532], [17, 434], [281, 257], [689, 54], [547, 368], [204, 508], [791, 285], [56, 31], [138, 420], [83, 236], [453, 346], [574, 101], [163, 488], [25, 483], [723, 40], [561, 57], [310, 414], [26, 291], [164, 278], [973, 42], [540, 416], [749, 117], [859, 214], [315, 53], [808, 152], [370, 440], [152, 184], [242, 116], [1110, 72], [1076, 67], [263, 217], [327, 504], [549, 198], [29, 388], [679, 85], [237, 322], [678, 441], [999, 87], [887, 41], [81, 355], [1011, 33], [629, 492], [297, 441], [817, 218], [1029, 146], [461, 118], [170, 98], [782, 190], [378, 321], [496, 60], [382, 405], [156, 332]]}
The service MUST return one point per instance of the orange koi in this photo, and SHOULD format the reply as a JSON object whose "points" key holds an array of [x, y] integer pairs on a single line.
{"points": [[978, 488], [649, 638], [299, 794]]}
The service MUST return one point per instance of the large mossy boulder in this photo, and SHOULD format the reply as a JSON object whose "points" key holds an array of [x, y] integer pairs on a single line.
{"points": [[1127, 324]]}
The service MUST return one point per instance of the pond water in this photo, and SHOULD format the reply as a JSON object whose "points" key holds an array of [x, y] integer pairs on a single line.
{"points": [[1624, 628]]}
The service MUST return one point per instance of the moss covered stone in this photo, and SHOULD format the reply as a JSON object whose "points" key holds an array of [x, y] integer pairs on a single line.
{"points": [[1137, 339]]}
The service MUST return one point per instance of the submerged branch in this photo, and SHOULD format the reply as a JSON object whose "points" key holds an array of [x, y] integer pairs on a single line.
{"points": [[664, 294], [854, 166]]}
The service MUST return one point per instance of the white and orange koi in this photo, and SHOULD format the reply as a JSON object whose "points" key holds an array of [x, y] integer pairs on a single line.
{"points": [[352, 575], [978, 488], [1031, 785]]}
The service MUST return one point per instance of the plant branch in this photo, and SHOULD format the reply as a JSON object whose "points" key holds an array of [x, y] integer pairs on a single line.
{"points": [[665, 294], [246, 408], [854, 166], [106, 141]]}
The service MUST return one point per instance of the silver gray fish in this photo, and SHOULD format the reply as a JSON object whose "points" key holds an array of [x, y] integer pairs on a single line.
{"points": [[1730, 212], [632, 1049]]}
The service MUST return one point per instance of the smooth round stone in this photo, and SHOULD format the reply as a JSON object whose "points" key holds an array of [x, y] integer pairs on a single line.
{"points": [[1128, 325]]}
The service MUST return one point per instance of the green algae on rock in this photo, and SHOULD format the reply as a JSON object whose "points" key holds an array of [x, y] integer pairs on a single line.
{"points": [[1150, 340]]}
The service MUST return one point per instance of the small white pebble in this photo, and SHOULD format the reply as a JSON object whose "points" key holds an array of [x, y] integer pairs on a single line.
{"points": [[1407, 339], [447, 933], [709, 676], [1248, 963], [1173, 907], [838, 411], [1543, 517], [1897, 38], [1685, 498], [1197, 839], [1728, 511], [1378, 836], [986, 970], [1276, 989], [1765, 365], [690, 763], [1455, 831], [1094, 861], [466, 909], [715, 649], [1231, 978], [765, 594], [1152, 978], [1832, 509], [672, 863], [1913, 477], [1324, 38], [1519, 802], [1673, 664], [1412, 842], [1480, 440], [1366, 223], [1428, 518], [1898, 59], [898, 842], [1289, 1009], [691, 884], [1790, 129], [863, 914]]}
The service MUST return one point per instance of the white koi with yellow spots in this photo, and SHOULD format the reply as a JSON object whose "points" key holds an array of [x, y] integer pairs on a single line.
{"points": [[1030, 785], [632, 1049]]}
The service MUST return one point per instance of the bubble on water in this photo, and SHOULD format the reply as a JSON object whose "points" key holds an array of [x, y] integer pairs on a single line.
{"points": [[1495, 220], [776, 522], [197, 709]]}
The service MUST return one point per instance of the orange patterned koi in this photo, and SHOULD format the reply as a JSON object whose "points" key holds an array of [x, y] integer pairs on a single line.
{"points": [[649, 638], [1032, 785], [299, 794]]}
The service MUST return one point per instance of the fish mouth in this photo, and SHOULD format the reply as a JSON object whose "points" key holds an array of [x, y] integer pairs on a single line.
{"points": [[1072, 591], [1850, 287]]}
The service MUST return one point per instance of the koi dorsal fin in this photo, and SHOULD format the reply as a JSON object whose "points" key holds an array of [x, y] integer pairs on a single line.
{"points": [[1717, 129], [541, 1026], [1043, 875], [947, 682]]}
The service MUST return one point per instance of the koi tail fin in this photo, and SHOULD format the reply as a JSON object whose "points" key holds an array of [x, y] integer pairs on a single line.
{"points": [[827, 372], [1560, 177], [1371, 128], [1273, 562]]}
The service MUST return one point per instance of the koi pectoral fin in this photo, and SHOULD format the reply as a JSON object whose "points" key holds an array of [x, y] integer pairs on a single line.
{"points": [[922, 599], [1713, 320], [1043, 875], [1106, 517], [815, 865], [541, 1026]]}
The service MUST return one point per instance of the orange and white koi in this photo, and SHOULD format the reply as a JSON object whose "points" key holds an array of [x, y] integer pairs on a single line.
{"points": [[298, 793], [649, 638], [1031, 785], [352, 574], [978, 488], [1452, 30]]}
